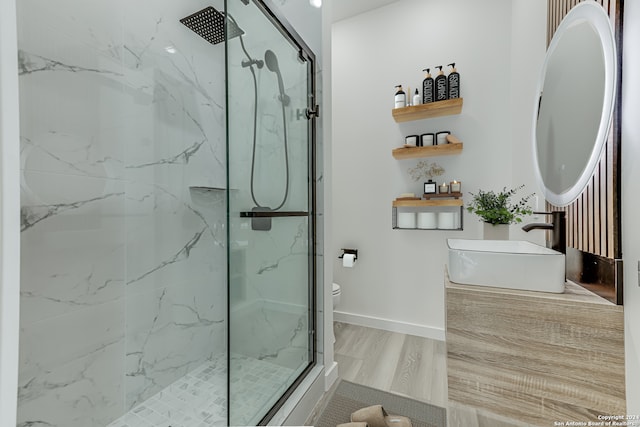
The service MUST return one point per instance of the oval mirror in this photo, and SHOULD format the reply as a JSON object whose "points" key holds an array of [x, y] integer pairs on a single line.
{"points": [[575, 102]]}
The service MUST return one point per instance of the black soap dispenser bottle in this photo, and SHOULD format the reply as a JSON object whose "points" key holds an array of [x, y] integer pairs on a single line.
{"points": [[401, 98], [441, 86], [453, 82], [427, 87]]}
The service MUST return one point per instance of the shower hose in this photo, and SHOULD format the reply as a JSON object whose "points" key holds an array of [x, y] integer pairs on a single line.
{"points": [[255, 125]]}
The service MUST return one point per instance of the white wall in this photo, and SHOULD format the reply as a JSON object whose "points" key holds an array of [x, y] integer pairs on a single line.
{"points": [[528, 48], [362, 217], [306, 20], [9, 215], [397, 282], [630, 201]]}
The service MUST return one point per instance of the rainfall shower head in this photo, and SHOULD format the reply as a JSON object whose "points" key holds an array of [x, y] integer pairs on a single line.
{"points": [[271, 60], [210, 25]]}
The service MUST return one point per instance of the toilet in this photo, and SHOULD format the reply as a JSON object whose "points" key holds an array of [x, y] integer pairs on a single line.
{"points": [[336, 292]]}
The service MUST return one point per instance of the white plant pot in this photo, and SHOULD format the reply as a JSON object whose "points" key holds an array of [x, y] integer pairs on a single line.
{"points": [[496, 232]]}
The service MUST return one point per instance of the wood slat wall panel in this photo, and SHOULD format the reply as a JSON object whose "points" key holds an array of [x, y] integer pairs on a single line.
{"points": [[571, 214], [589, 217], [592, 219], [595, 182], [611, 210]]}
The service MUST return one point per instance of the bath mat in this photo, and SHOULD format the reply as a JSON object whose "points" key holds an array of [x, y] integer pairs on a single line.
{"points": [[349, 397]]}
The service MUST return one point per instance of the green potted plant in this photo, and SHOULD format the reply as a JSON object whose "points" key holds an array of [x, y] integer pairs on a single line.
{"points": [[497, 210]]}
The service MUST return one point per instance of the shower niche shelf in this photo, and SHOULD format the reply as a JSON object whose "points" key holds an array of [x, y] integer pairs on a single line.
{"points": [[428, 111], [448, 207]]}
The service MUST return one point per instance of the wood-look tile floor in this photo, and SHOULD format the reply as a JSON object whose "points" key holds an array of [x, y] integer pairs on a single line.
{"points": [[408, 365]]}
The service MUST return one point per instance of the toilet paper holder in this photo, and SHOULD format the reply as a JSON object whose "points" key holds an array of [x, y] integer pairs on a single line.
{"points": [[349, 251]]}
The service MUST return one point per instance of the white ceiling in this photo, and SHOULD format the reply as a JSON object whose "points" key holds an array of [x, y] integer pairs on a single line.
{"points": [[343, 9]]}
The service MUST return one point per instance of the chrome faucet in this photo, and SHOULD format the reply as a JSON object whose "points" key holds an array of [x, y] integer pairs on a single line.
{"points": [[558, 229]]}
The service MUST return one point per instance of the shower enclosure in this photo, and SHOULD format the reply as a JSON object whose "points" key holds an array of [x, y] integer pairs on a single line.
{"points": [[168, 215], [271, 263]]}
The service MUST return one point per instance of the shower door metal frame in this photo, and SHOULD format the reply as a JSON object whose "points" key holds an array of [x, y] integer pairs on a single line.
{"points": [[305, 54]]}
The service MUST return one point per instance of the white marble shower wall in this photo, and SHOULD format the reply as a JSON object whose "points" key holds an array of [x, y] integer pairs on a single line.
{"points": [[270, 314], [123, 266]]}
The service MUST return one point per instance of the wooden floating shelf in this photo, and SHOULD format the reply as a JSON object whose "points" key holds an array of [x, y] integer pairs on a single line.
{"points": [[428, 229], [428, 151], [426, 203], [428, 111]]}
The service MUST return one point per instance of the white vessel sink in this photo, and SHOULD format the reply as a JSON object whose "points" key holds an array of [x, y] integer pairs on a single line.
{"points": [[511, 264]]}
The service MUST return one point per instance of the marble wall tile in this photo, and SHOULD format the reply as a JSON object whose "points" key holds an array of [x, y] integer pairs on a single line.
{"points": [[71, 87], [176, 287], [73, 231], [277, 263], [178, 118], [269, 319], [71, 368], [268, 331], [124, 226], [124, 259], [162, 254], [170, 332], [270, 322], [72, 300], [270, 165]]}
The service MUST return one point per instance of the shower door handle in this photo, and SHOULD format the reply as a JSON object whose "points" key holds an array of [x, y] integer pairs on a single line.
{"points": [[313, 113], [272, 214]]}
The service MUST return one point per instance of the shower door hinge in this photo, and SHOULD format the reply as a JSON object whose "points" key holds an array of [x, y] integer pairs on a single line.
{"points": [[313, 113]]}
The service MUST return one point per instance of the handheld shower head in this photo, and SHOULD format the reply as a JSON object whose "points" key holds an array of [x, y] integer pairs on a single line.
{"points": [[271, 60]]}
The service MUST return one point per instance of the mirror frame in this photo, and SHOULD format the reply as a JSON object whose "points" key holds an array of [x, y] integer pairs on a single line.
{"points": [[597, 17]]}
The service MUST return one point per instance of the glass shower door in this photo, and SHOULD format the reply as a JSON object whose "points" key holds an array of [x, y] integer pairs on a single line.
{"points": [[270, 211]]}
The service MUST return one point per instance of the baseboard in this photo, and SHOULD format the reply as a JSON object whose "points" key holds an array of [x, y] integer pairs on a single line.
{"points": [[390, 325]]}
